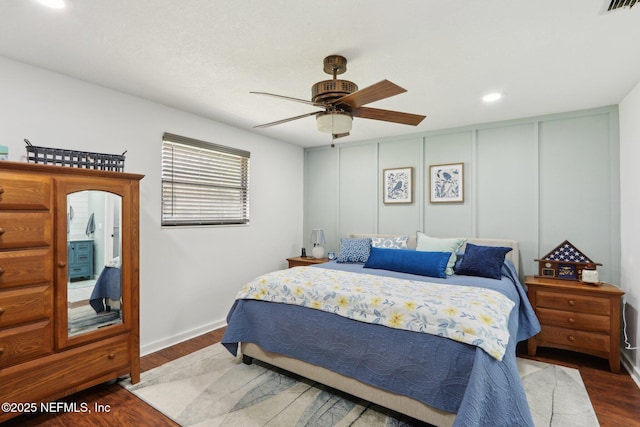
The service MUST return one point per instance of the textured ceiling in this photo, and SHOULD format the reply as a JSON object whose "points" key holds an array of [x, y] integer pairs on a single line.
{"points": [[204, 56]]}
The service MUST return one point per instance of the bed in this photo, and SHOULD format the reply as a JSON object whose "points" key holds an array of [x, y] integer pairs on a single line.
{"points": [[107, 292], [433, 377]]}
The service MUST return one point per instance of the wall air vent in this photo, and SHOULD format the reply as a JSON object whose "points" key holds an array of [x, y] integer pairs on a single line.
{"points": [[618, 4]]}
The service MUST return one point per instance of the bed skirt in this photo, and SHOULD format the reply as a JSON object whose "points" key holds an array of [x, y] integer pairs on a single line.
{"points": [[396, 402]]}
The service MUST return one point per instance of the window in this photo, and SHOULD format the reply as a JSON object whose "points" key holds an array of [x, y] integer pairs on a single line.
{"points": [[203, 183]]}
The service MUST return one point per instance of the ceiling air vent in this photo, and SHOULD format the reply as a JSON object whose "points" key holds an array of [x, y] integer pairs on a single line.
{"points": [[618, 4]]}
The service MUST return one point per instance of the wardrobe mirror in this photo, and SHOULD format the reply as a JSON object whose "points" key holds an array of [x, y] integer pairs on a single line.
{"points": [[94, 246]]}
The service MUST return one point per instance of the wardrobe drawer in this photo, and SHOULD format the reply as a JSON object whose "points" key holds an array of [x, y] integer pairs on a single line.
{"points": [[574, 340], [25, 304], [573, 302], [574, 320], [27, 267], [23, 230], [25, 342], [20, 191], [60, 372]]}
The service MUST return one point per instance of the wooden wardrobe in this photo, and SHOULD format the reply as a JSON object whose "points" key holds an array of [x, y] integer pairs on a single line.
{"points": [[53, 343]]}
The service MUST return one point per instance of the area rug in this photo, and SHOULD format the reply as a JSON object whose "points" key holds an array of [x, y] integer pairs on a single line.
{"points": [[85, 319], [212, 388]]}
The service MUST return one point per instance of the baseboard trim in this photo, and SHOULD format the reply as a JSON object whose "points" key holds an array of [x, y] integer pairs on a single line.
{"points": [[631, 368], [181, 337]]}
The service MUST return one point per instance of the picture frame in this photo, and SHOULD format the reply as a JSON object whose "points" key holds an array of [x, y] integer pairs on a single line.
{"points": [[567, 271], [397, 185], [446, 183]]}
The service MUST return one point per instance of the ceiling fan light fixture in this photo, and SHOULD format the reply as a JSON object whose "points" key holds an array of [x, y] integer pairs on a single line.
{"points": [[336, 122]]}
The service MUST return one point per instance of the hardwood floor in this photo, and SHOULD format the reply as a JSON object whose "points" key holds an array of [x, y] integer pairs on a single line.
{"points": [[615, 397]]}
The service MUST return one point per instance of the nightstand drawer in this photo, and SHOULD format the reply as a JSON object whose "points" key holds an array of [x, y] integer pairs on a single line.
{"points": [[305, 261], [573, 302], [573, 320], [574, 340]]}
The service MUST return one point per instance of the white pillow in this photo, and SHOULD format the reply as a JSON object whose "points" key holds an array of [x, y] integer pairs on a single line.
{"points": [[434, 244], [399, 242]]}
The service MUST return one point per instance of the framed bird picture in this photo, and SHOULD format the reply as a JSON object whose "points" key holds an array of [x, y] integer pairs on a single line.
{"points": [[397, 185], [446, 183]]}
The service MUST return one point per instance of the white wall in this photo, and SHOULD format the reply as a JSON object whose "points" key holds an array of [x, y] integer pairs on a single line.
{"points": [[189, 276], [629, 223]]}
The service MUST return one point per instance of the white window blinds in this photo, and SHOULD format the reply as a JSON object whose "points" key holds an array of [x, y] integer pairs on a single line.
{"points": [[203, 183]]}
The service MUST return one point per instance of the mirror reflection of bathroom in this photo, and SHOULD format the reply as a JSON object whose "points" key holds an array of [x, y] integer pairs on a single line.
{"points": [[94, 245]]}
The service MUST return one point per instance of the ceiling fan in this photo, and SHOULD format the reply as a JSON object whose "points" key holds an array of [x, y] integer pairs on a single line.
{"points": [[341, 100]]}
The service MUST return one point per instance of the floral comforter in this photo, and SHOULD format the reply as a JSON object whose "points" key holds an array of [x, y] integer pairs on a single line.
{"points": [[475, 316]]}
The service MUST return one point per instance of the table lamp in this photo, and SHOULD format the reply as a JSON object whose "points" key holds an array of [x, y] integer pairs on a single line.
{"points": [[317, 239]]}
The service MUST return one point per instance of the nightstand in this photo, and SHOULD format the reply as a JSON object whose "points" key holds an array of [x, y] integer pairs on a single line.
{"points": [[576, 316], [302, 261]]}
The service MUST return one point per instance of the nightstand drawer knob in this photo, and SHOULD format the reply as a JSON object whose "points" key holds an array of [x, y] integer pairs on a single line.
{"points": [[572, 320], [571, 338], [571, 302]]}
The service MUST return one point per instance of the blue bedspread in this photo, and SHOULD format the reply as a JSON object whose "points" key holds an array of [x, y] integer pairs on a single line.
{"points": [[108, 285], [440, 372]]}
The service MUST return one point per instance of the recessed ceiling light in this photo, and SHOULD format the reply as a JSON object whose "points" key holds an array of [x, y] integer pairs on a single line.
{"points": [[54, 4], [492, 97]]}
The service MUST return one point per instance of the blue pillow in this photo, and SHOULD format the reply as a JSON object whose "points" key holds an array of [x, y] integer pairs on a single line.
{"points": [[483, 261], [354, 251], [433, 264]]}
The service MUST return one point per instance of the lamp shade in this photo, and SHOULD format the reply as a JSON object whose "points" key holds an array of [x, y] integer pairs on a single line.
{"points": [[317, 236], [335, 122]]}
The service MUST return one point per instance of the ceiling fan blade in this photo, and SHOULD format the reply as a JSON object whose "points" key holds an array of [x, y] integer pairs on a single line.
{"points": [[339, 135], [388, 116], [375, 92], [266, 125], [289, 98]]}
